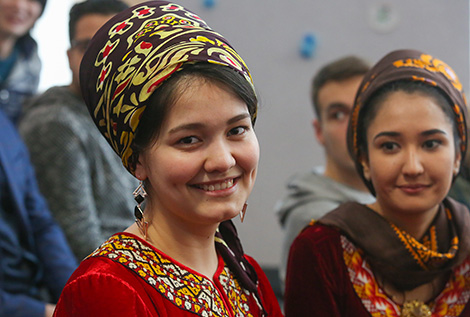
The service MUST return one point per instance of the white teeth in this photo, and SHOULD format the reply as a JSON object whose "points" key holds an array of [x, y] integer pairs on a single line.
{"points": [[218, 186]]}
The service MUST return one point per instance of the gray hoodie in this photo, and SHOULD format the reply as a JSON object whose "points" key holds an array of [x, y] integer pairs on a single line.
{"points": [[310, 196], [88, 190]]}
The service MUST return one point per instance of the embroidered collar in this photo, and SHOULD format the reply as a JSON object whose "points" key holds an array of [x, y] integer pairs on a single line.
{"points": [[451, 302], [182, 286]]}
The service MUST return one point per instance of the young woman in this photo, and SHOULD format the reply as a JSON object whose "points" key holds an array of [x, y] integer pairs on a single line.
{"points": [[176, 102], [407, 254]]}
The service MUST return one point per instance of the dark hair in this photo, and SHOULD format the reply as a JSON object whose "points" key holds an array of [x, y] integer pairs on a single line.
{"points": [[167, 94], [103, 7], [43, 5], [372, 106], [339, 70]]}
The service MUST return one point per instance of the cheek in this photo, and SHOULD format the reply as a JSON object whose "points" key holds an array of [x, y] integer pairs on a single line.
{"points": [[382, 171], [35, 10], [177, 169], [249, 154], [443, 167], [337, 132]]}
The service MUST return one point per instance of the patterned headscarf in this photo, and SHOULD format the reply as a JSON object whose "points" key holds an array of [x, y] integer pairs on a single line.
{"points": [[133, 54], [409, 65]]}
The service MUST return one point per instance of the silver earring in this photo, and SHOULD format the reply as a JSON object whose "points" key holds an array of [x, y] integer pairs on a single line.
{"points": [[139, 196], [242, 212]]}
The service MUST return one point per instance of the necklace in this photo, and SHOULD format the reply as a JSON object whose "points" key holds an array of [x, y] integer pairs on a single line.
{"points": [[415, 308], [412, 307]]}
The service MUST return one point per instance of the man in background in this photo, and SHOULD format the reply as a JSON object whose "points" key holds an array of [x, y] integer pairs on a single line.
{"points": [[314, 193], [88, 190], [19, 60]]}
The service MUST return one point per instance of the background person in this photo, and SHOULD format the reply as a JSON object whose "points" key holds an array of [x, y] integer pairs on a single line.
{"points": [[19, 61], [84, 182], [312, 194], [35, 260], [406, 254], [177, 103]]}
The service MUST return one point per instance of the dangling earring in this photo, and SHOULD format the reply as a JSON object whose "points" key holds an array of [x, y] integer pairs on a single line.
{"points": [[139, 196], [242, 212]]}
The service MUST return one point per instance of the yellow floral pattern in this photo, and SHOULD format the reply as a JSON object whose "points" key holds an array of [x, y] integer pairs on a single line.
{"points": [[184, 288], [449, 303], [138, 51]]}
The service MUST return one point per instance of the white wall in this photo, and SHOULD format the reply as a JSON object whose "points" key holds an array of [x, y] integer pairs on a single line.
{"points": [[51, 32], [267, 34]]}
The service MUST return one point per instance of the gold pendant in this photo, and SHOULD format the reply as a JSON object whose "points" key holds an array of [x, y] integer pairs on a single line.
{"points": [[415, 308]]}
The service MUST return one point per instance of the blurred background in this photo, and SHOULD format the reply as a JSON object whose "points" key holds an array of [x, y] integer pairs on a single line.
{"points": [[284, 43]]}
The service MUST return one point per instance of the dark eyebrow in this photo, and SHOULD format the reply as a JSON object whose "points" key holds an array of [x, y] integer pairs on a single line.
{"points": [[396, 134], [195, 126], [337, 105], [238, 118], [387, 133], [433, 131]]}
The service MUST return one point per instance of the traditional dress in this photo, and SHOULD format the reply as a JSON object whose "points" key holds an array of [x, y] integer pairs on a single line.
{"points": [[330, 275], [127, 276]]}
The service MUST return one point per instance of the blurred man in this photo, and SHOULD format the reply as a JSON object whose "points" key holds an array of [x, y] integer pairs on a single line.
{"points": [[19, 61], [314, 193], [88, 190]]}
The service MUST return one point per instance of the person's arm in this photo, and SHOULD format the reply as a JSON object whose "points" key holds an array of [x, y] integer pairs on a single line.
{"points": [[315, 277], [51, 246], [44, 236], [65, 179], [19, 305]]}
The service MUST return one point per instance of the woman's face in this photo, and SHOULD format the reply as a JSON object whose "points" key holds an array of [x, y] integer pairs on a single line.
{"points": [[203, 166], [411, 154], [17, 17]]}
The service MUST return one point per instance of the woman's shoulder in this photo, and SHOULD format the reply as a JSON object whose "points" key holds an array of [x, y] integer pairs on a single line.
{"points": [[103, 287], [319, 233]]}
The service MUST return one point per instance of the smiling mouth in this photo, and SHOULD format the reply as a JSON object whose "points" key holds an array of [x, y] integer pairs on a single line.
{"points": [[216, 186], [413, 188]]}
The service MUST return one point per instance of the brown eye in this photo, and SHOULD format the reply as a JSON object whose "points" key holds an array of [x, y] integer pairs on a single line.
{"points": [[237, 130], [389, 146], [188, 140], [431, 144]]}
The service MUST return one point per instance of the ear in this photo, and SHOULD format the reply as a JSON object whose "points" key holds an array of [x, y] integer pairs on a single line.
{"points": [[318, 131], [458, 159], [365, 166], [70, 57], [140, 171]]}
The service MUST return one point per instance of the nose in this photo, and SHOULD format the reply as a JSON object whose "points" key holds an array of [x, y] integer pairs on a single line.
{"points": [[412, 165], [20, 4], [219, 157]]}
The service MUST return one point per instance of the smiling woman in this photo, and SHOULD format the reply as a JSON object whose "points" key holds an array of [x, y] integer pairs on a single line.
{"points": [[403, 254], [177, 104]]}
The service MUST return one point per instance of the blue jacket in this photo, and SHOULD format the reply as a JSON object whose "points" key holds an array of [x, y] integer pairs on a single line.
{"points": [[23, 80], [55, 262]]}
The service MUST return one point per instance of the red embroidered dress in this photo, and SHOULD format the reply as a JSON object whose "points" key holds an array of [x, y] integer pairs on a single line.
{"points": [[327, 276], [126, 276]]}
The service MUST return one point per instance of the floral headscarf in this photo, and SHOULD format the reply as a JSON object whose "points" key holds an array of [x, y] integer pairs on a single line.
{"points": [[133, 53], [409, 65]]}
